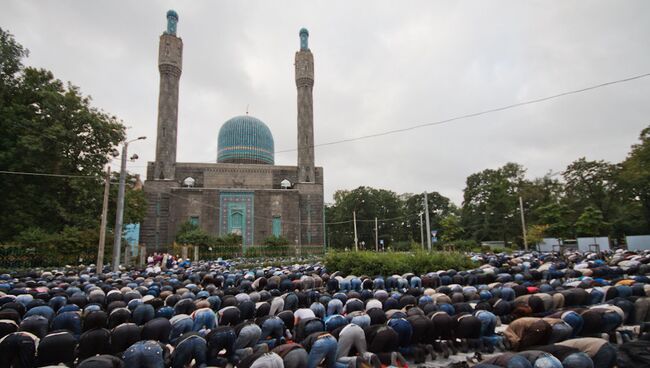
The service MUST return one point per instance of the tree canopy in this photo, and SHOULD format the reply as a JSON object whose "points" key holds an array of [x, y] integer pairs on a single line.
{"points": [[50, 127]]}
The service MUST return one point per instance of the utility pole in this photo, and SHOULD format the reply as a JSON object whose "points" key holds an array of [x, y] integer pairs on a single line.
{"points": [[421, 231], [119, 216], [356, 239], [426, 211], [376, 237], [102, 227], [523, 222]]}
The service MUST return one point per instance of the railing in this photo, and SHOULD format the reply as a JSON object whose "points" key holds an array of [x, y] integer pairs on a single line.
{"points": [[260, 251], [13, 257], [17, 257]]}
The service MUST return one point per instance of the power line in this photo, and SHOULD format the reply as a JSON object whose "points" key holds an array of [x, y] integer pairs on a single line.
{"points": [[54, 175], [475, 114], [48, 174]]}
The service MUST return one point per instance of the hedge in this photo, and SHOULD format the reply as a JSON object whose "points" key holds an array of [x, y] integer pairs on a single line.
{"points": [[389, 263]]}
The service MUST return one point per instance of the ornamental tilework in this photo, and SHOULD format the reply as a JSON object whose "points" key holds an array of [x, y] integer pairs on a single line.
{"points": [[236, 211]]}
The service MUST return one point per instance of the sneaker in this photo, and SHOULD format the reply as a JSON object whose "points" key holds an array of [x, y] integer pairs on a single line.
{"points": [[398, 360], [452, 346], [431, 351], [464, 346], [442, 347]]}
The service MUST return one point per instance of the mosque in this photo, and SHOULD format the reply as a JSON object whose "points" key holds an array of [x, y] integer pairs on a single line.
{"points": [[244, 192]]}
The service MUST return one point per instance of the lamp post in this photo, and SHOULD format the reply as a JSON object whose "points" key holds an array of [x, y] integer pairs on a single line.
{"points": [[120, 207]]}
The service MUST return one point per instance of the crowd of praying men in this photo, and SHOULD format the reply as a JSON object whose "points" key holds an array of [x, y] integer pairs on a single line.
{"points": [[521, 310]]}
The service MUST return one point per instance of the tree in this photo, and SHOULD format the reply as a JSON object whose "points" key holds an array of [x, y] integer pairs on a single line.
{"points": [[135, 204], [490, 203], [191, 234], [592, 184], [450, 228], [439, 207], [557, 219], [535, 234], [48, 127], [591, 223], [368, 203], [635, 176]]}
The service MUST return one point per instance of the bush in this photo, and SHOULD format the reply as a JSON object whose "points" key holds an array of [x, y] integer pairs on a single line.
{"points": [[35, 247], [389, 263], [276, 241]]}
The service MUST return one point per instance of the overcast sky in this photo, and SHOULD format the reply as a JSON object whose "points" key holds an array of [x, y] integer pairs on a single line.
{"points": [[380, 65]]}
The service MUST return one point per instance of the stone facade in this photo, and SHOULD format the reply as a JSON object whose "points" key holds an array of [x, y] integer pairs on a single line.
{"points": [[304, 66], [170, 65], [169, 204]]}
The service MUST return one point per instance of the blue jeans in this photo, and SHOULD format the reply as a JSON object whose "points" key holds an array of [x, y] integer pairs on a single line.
{"points": [[575, 321], [356, 284], [204, 318], [518, 361], [272, 329], [323, 348], [488, 324], [404, 330], [611, 320], [345, 285], [507, 294], [416, 282], [41, 310], [334, 322], [605, 357], [70, 321], [179, 328], [596, 296], [548, 361], [578, 360], [144, 354], [143, 313], [560, 332], [221, 340], [193, 347], [378, 283]]}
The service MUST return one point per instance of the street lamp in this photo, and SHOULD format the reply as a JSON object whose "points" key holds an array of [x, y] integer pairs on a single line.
{"points": [[120, 206]]}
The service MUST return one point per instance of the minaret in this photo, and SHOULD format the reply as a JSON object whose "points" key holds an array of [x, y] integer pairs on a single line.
{"points": [[170, 65], [305, 83]]}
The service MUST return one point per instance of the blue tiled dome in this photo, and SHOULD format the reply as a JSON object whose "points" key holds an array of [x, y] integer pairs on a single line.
{"points": [[245, 140]]}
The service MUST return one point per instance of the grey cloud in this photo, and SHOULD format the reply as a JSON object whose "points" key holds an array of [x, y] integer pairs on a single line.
{"points": [[379, 66]]}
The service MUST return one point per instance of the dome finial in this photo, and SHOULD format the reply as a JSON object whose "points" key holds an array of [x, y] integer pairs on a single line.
{"points": [[172, 20], [304, 39]]}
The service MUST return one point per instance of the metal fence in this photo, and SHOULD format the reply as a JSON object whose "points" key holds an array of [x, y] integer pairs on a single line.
{"points": [[14, 257]]}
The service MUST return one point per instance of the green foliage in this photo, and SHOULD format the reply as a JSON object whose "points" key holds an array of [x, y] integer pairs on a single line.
{"points": [[450, 228], [49, 127], [592, 184], [368, 204], [439, 208], [135, 204], [557, 217], [591, 222], [635, 178], [389, 263], [490, 203], [35, 247], [267, 251], [535, 234], [276, 241]]}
